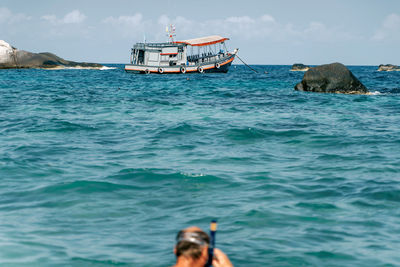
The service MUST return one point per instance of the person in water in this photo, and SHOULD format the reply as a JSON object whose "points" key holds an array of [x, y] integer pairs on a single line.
{"points": [[191, 250]]}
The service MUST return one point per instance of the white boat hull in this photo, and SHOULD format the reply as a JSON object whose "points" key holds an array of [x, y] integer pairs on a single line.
{"points": [[206, 67]]}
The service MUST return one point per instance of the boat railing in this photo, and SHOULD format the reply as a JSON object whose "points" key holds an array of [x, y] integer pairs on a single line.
{"points": [[206, 57], [155, 45]]}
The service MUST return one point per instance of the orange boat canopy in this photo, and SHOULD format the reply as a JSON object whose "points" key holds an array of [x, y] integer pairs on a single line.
{"points": [[209, 40]]}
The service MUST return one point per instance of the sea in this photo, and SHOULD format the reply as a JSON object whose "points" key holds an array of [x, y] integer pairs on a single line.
{"points": [[103, 167]]}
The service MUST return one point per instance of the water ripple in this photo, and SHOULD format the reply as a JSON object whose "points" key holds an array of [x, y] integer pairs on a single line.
{"points": [[102, 168]]}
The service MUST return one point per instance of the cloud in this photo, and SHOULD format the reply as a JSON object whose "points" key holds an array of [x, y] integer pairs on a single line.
{"points": [[389, 29], [392, 22], [127, 21], [244, 20], [127, 26], [318, 31], [267, 18], [6, 16], [250, 28], [73, 17], [267, 27], [50, 18], [244, 27], [164, 20], [241, 28]]}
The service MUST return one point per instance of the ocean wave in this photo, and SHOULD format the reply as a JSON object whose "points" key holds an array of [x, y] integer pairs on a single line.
{"points": [[73, 68], [62, 195], [107, 68], [253, 134], [56, 125], [328, 255], [80, 68], [180, 129], [392, 90], [392, 195], [140, 176], [87, 261], [317, 206], [79, 186], [375, 93]]}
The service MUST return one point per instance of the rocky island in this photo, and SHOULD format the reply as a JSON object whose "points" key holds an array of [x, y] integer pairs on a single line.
{"points": [[388, 67], [331, 78], [299, 67], [12, 58]]}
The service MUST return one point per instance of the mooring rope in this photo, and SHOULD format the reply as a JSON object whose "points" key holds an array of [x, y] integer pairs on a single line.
{"points": [[246, 64]]}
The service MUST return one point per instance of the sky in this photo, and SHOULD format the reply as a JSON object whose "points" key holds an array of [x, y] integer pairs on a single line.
{"points": [[283, 32]]}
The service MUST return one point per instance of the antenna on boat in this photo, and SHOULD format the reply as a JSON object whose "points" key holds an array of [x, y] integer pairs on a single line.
{"points": [[170, 32]]}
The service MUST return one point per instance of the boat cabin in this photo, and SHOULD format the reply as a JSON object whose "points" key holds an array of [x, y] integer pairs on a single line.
{"points": [[179, 53]]}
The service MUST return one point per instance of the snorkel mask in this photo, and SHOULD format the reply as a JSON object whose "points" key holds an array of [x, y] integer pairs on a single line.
{"points": [[192, 237]]}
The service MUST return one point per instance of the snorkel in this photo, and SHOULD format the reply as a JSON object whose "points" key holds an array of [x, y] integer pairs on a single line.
{"points": [[213, 230]]}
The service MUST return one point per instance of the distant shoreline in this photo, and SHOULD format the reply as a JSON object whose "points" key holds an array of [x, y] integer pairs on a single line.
{"points": [[259, 64]]}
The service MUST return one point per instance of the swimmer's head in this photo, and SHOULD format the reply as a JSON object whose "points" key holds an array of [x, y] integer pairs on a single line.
{"points": [[192, 242]]}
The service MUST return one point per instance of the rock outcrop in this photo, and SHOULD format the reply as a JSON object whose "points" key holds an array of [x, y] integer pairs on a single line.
{"points": [[388, 67], [299, 67], [7, 53], [331, 78], [12, 58]]}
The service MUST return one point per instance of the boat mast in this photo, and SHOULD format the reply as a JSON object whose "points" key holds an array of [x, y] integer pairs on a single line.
{"points": [[170, 33]]}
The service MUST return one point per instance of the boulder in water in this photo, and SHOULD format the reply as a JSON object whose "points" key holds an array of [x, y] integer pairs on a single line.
{"points": [[299, 67], [331, 78], [12, 58], [388, 67]]}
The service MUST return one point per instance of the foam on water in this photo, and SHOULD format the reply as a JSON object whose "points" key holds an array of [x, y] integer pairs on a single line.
{"points": [[375, 93], [102, 168], [107, 68]]}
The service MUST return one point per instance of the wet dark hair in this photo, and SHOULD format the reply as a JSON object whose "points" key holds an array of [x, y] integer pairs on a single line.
{"points": [[191, 249]]}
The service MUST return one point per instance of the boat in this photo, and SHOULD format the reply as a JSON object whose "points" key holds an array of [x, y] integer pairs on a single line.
{"points": [[199, 55]]}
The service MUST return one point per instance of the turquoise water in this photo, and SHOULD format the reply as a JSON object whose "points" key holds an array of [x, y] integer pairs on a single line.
{"points": [[102, 168]]}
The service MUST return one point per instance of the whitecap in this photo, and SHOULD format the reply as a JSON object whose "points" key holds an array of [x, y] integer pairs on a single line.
{"points": [[375, 93], [107, 68], [192, 174]]}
